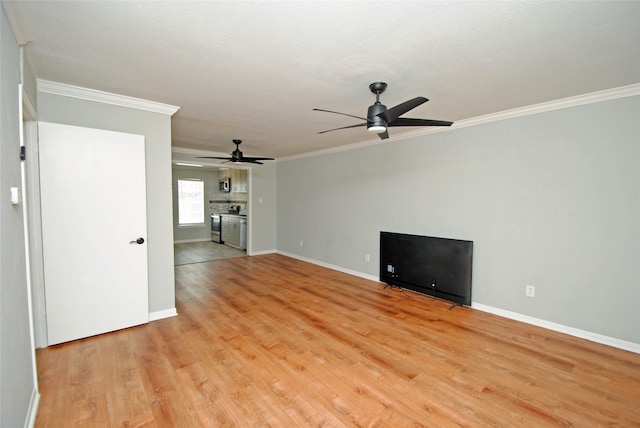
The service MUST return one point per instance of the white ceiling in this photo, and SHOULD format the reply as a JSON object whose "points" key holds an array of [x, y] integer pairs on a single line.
{"points": [[255, 70]]}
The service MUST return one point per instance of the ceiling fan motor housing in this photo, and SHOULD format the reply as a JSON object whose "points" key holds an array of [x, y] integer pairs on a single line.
{"points": [[237, 155], [373, 120]]}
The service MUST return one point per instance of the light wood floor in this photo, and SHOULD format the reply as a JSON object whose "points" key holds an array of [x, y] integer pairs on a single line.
{"points": [[272, 341], [206, 251]]}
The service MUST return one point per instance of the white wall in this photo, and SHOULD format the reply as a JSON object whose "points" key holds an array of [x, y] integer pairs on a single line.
{"points": [[550, 199], [18, 392], [156, 128]]}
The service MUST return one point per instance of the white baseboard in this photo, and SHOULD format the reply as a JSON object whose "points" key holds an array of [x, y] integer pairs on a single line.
{"points": [[260, 253], [158, 315], [330, 266], [188, 241], [33, 409], [583, 334]]}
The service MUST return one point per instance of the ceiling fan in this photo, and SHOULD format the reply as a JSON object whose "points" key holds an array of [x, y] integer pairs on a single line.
{"points": [[379, 118], [237, 156]]}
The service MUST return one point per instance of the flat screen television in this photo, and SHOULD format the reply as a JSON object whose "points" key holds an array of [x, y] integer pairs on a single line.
{"points": [[438, 267]]}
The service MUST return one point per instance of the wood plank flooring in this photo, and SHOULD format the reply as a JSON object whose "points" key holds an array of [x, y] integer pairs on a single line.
{"points": [[272, 341]]}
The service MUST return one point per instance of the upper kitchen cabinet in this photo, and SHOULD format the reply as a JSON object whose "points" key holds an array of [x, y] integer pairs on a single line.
{"points": [[225, 173], [239, 181]]}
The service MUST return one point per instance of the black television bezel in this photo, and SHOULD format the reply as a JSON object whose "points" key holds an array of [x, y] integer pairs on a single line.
{"points": [[453, 285]]}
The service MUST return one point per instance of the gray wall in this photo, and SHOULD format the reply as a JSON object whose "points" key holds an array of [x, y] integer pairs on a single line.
{"points": [[262, 209], [156, 128], [551, 200], [17, 383]]}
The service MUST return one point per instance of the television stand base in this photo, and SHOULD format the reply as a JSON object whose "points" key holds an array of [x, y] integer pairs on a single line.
{"points": [[453, 305], [392, 286]]}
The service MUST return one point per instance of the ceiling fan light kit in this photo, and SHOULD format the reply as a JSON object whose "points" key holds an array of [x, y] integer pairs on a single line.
{"points": [[377, 128], [379, 118]]}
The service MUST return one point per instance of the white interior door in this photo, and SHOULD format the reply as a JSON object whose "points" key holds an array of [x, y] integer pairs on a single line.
{"points": [[93, 202]]}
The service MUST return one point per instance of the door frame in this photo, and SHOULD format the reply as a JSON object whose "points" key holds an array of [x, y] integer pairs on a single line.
{"points": [[217, 167], [33, 222]]}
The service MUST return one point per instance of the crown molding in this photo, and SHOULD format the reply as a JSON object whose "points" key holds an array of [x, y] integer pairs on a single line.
{"points": [[65, 90], [29, 110], [202, 152], [593, 97]]}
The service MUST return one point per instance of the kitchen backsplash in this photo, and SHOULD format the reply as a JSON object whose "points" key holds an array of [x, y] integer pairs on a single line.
{"points": [[221, 206]]}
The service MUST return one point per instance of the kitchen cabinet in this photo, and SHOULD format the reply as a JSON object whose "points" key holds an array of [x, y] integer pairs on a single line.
{"points": [[231, 230], [239, 181], [224, 228]]}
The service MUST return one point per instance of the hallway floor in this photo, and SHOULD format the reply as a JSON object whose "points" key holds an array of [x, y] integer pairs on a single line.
{"points": [[198, 252]]}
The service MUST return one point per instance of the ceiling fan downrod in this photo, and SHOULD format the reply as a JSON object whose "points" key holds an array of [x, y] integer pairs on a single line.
{"points": [[378, 88]]}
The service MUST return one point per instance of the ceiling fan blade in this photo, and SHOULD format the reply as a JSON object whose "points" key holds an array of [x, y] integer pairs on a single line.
{"points": [[251, 158], [383, 135], [344, 127], [337, 112], [213, 157], [393, 113], [405, 121]]}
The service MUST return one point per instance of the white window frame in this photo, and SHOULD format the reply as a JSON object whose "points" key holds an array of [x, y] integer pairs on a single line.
{"points": [[194, 201]]}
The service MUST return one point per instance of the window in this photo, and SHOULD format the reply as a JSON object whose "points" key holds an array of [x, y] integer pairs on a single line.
{"points": [[190, 202]]}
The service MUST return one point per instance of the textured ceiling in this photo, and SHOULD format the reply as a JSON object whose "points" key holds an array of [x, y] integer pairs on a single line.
{"points": [[255, 70]]}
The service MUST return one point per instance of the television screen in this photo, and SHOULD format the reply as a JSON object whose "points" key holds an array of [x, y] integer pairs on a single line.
{"points": [[439, 267]]}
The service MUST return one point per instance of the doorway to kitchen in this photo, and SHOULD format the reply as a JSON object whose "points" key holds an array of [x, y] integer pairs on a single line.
{"points": [[193, 238]]}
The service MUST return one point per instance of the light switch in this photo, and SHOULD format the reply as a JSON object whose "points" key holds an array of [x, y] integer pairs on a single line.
{"points": [[15, 196]]}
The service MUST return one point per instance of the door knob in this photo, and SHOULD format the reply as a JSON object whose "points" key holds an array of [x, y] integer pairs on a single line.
{"points": [[138, 241]]}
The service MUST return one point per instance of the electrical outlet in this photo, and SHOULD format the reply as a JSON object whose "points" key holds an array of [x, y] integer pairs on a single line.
{"points": [[367, 258], [530, 291], [301, 243]]}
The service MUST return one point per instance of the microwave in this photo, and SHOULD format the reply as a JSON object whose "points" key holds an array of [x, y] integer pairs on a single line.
{"points": [[225, 185]]}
